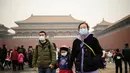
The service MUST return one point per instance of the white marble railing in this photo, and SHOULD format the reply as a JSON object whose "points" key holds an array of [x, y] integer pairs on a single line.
{"points": [[18, 37], [36, 37]]}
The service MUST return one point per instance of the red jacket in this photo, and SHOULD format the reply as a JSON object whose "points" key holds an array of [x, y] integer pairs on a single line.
{"points": [[20, 58], [14, 55]]}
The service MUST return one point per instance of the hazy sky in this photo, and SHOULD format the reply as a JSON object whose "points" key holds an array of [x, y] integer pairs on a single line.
{"points": [[91, 11]]}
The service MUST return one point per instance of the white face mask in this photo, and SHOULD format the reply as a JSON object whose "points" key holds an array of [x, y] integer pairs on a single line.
{"points": [[42, 38], [64, 54], [83, 31]]}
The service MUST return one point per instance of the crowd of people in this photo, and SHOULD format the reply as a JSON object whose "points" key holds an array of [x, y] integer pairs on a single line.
{"points": [[86, 54], [15, 58], [117, 56]]}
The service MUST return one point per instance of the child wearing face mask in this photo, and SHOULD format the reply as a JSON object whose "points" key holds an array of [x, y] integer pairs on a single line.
{"points": [[63, 60]]}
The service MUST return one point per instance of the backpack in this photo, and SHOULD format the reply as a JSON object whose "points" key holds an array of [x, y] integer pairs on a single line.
{"points": [[49, 46], [20, 58]]}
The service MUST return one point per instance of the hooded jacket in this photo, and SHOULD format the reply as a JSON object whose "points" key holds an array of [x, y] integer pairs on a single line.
{"points": [[14, 55], [44, 55]]}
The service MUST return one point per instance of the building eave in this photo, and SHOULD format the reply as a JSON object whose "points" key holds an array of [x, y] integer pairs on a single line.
{"points": [[119, 24], [45, 19], [47, 23]]}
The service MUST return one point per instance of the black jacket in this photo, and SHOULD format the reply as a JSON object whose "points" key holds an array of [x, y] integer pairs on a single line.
{"points": [[118, 58], [89, 58], [126, 53]]}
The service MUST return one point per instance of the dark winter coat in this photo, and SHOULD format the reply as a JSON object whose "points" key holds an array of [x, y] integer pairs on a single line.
{"points": [[91, 62], [3, 54], [44, 55], [126, 53]]}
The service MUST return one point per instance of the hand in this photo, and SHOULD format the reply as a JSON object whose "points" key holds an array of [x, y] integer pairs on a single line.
{"points": [[51, 66], [34, 68]]}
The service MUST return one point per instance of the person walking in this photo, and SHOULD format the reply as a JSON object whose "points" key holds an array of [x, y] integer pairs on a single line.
{"points": [[20, 61], [118, 58], [64, 60], [109, 57], [86, 51], [14, 58], [44, 54], [3, 55], [126, 54], [8, 60], [30, 55]]}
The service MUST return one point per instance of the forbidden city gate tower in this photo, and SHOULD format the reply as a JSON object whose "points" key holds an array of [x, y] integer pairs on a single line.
{"points": [[60, 29]]}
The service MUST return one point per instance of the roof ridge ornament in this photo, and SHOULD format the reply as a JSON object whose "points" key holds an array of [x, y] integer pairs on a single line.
{"points": [[31, 14], [102, 19]]}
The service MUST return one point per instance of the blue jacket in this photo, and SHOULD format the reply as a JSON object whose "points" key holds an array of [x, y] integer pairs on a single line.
{"points": [[63, 64]]}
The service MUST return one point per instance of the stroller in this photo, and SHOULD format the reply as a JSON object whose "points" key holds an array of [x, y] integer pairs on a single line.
{"points": [[7, 64], [1, 65]]}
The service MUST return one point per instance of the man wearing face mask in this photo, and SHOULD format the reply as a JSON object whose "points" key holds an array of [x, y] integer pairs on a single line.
{"points": [[44, 54]]}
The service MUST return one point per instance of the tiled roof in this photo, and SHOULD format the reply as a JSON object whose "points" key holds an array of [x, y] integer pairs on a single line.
{"points": [[119, 24], [49, 19], [103, 22], [122, 19], [3, 30]]}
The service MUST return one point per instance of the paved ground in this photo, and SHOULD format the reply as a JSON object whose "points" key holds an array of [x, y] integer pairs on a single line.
{"points": [[110, 69]]}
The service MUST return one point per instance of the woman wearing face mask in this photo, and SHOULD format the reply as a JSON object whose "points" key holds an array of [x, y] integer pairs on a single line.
{"points": [[86, 51], [63, 60]]}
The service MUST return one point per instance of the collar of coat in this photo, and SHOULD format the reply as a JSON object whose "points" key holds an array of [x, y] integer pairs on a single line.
{"points": [[44, 44]]}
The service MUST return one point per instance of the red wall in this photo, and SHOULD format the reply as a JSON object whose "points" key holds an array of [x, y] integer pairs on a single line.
{"points": [[116, 39], [59, 43], [113, 40], [18, 42], [32, 42]]}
